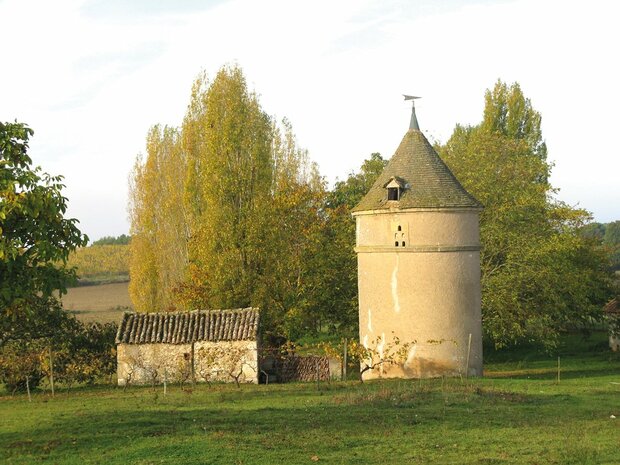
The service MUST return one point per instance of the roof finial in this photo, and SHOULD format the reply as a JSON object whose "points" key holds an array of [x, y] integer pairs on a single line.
{"points": [[413, 124]]}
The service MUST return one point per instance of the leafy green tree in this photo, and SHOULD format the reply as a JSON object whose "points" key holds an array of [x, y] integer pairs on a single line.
{"points": [[612, 233], [35, 245], [595, 231], [611, 242], [348, 193], [253, 199], [607, 237], [539, 275], [291, 226], [36, 239], [336, 263]]}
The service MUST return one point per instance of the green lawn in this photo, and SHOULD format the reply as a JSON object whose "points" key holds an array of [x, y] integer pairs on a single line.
{"points": [[518, 413]]}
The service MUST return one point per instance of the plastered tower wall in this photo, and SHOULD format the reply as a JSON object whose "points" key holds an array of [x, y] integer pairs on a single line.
{"points": [[426, 292]]}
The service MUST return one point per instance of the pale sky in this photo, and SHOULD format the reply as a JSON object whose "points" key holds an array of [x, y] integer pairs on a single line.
{"points": [[91, 76]]}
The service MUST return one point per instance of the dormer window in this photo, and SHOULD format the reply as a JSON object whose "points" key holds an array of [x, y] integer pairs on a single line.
{"points": [[394, 188]]}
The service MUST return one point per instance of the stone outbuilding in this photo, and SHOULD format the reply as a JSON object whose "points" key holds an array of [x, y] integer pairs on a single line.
{"points": [[418, 252], [213, 345]]}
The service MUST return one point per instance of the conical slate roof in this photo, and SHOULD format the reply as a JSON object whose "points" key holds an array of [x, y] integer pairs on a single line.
{"points": [[426, 180]]}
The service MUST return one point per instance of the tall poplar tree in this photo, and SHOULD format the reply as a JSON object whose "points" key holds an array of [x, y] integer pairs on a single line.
{"points": [[228, 188], [159, 226]]}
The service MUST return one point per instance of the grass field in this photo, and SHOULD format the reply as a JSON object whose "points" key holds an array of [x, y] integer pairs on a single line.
{"points": [[101, 303], [518, 414]]}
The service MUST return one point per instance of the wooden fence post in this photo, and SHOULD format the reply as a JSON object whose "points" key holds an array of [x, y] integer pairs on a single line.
{"points": [[28, 388], [165, 379], [192, 362], [344, 360], [316, 364], [51, 369]]}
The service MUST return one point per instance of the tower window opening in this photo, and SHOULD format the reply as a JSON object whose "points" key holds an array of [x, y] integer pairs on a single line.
{"points": [[396, 244], [400, 228], [403, 243], [394, 188]]}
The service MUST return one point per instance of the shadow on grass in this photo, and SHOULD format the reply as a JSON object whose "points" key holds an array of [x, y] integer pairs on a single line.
{"points": [[549, 373], [139, 424], [573, 344]]}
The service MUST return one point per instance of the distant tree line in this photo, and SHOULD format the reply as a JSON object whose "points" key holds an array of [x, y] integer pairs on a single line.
{"points": [[123, 239]]}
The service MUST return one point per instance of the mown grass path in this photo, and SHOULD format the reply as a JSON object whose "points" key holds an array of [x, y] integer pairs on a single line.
{"points": [[519, 413]]}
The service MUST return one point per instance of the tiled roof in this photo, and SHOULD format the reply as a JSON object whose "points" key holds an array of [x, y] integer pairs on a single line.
{"points": [[612, 307], [186, 327], [429, 182]]}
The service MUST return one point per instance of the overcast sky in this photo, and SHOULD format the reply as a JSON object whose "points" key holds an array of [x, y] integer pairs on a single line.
{"points": [[91, 76]]}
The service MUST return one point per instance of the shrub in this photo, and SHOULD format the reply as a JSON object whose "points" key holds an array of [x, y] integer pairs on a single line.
{"points": [[20, 360], [81, 354]]}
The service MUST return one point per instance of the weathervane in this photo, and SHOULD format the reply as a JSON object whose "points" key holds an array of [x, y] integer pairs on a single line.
{"points": [[414, 121]]}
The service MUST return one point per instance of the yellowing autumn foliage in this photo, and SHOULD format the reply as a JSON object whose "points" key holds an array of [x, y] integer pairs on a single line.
{"points": [[100, 261], [226, 211]]}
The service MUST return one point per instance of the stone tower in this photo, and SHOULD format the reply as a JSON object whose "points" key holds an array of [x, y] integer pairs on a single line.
{"points": [[418, 255]]}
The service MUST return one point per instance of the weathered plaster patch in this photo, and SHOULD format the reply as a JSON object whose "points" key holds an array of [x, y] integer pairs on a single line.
{"points": [[411, 355], [365, 341], [380, 347], [395, 287]]}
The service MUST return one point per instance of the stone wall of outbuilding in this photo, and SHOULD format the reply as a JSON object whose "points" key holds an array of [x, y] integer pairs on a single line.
{"points": [[200, 361]]}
